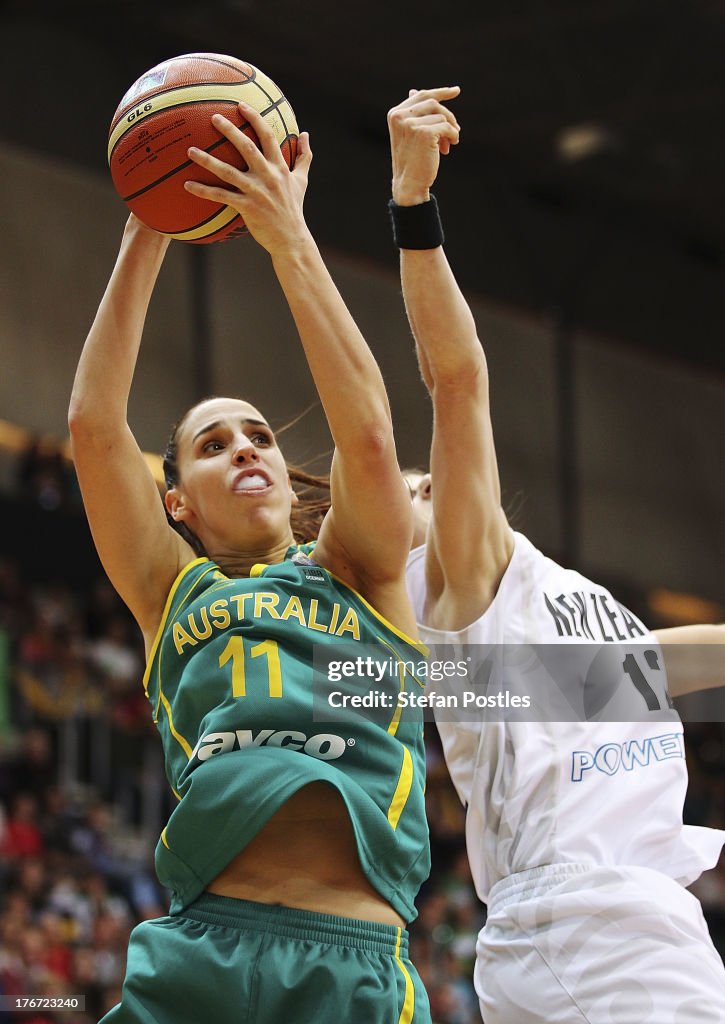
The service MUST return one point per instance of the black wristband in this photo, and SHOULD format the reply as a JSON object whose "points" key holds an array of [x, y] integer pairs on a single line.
{"points": [[416, 227]]}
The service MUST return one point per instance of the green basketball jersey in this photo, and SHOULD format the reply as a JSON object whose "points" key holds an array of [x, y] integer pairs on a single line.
{"points": [[230, 678]]}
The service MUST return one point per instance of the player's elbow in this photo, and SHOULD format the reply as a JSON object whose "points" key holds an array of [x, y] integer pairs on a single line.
{"points": [[78, 417], [83, 421], [376, 444], [92, 423], [466, 374]]}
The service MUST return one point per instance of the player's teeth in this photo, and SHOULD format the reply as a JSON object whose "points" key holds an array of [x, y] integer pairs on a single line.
{"points": [[249, 482]]}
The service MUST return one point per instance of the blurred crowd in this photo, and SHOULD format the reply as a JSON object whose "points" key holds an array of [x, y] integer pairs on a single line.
{"points": [[83, 799]]}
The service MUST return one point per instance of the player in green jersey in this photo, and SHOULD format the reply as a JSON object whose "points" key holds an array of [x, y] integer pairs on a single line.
{"points": [[299, 840]]}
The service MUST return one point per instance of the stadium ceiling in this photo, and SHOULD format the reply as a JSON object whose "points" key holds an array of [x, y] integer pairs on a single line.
{"points": [[588, 186]]}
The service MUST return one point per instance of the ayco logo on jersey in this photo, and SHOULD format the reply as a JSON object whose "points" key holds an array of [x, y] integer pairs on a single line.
{"points": [[324, 745]]}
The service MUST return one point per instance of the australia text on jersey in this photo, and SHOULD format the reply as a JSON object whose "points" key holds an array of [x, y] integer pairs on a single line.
{"points": [[202, 623]]}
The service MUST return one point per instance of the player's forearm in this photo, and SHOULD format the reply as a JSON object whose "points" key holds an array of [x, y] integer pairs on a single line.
{"points": [[694, 657], [345, 372], [440, 318], [105, 369]]}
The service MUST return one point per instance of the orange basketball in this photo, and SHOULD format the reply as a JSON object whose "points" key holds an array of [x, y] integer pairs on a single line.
{"points": [[169, 109]]}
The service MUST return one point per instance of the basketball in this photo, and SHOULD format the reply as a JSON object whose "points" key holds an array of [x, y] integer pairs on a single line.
{"points": [[168, 109]]}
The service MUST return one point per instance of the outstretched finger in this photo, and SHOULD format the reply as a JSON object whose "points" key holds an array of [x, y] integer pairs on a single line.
{"points": [[437, 117], [424, 107], [245, 146], [262, 128], [225, 172], [215, 193], [303, 157], [442, 94]]}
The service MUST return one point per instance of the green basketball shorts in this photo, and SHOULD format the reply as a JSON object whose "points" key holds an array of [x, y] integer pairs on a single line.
{"points": [[230, 961]]}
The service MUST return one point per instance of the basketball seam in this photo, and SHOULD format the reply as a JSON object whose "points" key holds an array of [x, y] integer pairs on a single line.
{"points": [[213, 60], [188, 103], [201, 223], [175, 170], [209, 149], [122, 111], [191, 85], [274, 103], [288, 133]]}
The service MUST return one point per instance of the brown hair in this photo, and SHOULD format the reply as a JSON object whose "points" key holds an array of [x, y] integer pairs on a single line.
{"points": [[313, 493]]}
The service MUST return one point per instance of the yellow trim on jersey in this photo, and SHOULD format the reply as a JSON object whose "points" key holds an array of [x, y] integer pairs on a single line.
{"points": [[163, 839], [162, 625], [395, 720], [162, 697], [402, 790], [418, 644], [250, 92], [185, 746], [257, 569], [406, 1014], [412, 675], [177, 795]]}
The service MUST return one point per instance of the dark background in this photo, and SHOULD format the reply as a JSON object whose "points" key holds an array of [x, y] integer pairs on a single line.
{"points": [[618, 229]]}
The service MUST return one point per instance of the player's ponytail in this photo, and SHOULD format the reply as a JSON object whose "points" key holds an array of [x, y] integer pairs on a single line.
{"points": [[313, 493]]}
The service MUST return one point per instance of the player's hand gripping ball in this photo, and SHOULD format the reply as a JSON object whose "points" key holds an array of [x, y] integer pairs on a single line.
{"points": [[169, 109]]}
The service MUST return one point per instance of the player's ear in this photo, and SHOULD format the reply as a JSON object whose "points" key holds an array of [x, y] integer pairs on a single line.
{"points": [[176, 505]]}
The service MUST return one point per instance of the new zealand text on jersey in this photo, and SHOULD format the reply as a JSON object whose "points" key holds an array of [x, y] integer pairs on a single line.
{"points": [[592, 617], [201, 623]]}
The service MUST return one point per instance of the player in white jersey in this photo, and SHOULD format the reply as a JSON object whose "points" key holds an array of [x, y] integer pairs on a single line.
{"points": [[574, 828]]}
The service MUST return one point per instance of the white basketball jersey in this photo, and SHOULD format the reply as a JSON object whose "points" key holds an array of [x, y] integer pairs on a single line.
{"points": [[544, 792]]}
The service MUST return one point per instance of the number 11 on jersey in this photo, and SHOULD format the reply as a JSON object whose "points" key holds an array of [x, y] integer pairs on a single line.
{"points": [[234, 652]]}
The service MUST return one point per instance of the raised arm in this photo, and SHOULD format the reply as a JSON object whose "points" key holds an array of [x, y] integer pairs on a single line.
{"points": [[367, 533], [139, 551], [694, 657], [469, 542]]}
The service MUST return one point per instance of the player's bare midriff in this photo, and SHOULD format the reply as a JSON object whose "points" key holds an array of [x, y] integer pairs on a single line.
{"points": [[305, 857]]}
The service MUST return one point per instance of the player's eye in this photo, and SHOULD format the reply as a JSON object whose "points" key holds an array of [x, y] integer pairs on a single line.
{"points": [[212, 446], [259, 438]]}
